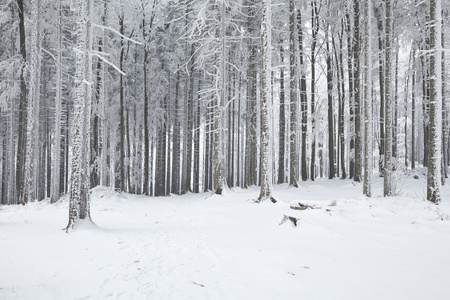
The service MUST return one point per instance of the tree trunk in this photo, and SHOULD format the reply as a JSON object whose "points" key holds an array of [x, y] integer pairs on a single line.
{"points": [[332, 170], [77, 209], [21, 142], [42, 134], [395, 120], [104, 105], [303, 101], [382, 93], [341, 106], [351, 93], [121, 110], [95, 149], [28, 192], [265, 158], [176, 141], [367, 185], [388, 124], [146, 181], [197, 120], [250, 177], [293, 162], [434, 155], [315, 31], [219, 164], [11, 197], [56, 168], [413, 114], [444, 111], [357, 95], [282, 123], [189, 123], [425, 108]]}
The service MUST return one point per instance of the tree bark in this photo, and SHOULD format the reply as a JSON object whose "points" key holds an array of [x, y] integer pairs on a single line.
{"points": [[219, 164], [265, 158], [351, 93], [388, 124], [413, 114], [282, 123], [357, 94], [21, 142], [434, 155], [293, 162], [303, 100], [28, 192], [367, 184], [77, 209], [146, 181], [315, 31], [251, 149], [331, 167]]}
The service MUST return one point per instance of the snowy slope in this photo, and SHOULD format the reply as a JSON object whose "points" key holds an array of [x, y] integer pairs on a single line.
{"points": [[202, 247]]}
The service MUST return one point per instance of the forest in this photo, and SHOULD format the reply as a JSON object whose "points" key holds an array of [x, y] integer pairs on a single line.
{"points": [[224, 149], [161, 97]]}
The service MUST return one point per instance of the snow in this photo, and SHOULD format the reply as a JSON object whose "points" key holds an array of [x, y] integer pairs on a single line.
{"points": [[199, 246]]}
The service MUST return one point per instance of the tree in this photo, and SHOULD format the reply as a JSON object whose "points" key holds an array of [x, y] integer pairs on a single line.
{"points": [[282, 123], [367, 186], [331, 132], [21, 142], [357, 93], [434, 155], [219, 163], [413, 112], [266, 158], [303, 100], [315, 31], [145, 37], [381, 122], [79, 196], [29, 186], [341, 97], [388, 105], [293, 162], [121, 107], [56, 162], [351, 89], [253, 25]]}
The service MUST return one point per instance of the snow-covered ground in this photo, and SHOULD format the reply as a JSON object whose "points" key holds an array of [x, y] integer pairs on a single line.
{"points": [[202, 247]]}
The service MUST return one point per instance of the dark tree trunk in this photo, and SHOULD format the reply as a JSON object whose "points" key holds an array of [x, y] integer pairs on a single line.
{"points": [[196, 173], [251, 150], [121, 108], [303, 98], [413, 118], [357, 96], [189, 106], [331, 132], [21, 142], [425, 109], [176, 141], [95, 147], [315, 31], [282, 124], [395, 123], [341, 108], [351, 93]]}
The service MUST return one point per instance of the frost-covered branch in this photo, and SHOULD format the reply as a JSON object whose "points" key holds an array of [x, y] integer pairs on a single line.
{"points": [[116, 32], [109, 63]]}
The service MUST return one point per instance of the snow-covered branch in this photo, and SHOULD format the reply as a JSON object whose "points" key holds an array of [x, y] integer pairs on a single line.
{"points": [[116, 32]]}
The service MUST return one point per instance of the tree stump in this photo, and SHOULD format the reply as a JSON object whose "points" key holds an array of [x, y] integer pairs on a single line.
{"points": [[293, 220]]}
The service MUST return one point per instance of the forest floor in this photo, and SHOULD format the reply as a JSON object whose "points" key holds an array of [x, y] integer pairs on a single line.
{"points": [[199, 246]]}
